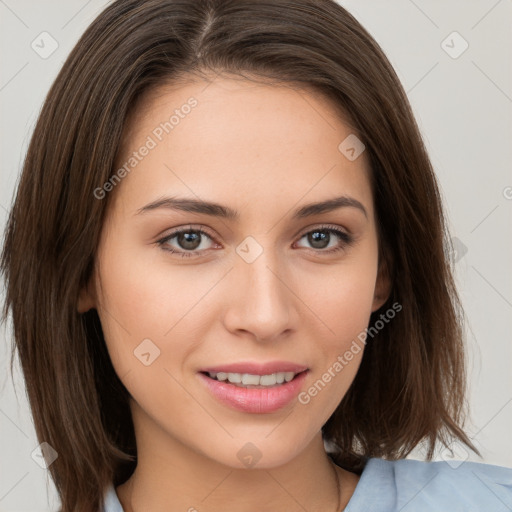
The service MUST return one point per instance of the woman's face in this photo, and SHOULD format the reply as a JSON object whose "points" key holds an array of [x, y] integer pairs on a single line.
{"points": [[263, 285]]}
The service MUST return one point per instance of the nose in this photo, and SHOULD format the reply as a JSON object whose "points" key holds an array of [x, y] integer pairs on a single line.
{"points": [[260, 299]]}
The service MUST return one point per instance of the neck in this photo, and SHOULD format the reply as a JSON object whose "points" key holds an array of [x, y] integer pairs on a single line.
{"points": [[172, 477], [305, 483]]}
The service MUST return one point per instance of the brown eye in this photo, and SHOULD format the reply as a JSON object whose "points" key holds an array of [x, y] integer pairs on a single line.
{"points": [[188, 242], [321, 238]]}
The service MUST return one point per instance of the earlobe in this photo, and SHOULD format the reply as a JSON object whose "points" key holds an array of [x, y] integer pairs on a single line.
{"points": [[86, 300], [382, 286]]}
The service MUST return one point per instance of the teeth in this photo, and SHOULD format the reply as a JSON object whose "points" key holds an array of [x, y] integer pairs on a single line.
{"points": [[268, 380], [248, 379]]}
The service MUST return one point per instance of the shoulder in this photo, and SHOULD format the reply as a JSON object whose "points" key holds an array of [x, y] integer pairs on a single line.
{"points": [[111, 501], [411, 485]]}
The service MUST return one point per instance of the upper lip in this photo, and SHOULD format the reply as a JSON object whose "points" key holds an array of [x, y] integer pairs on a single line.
{"points": [[254, 368]]}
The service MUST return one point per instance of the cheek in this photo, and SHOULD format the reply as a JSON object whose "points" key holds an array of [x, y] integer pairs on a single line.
{"points": [[345, 309], [349, 309], [144, 294], [342, 313], [341, 296], [145, 322]]}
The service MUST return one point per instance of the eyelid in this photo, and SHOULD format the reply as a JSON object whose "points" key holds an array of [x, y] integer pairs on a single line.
{"points": [[188, 227], [198, 228], [346, 237], [207, 231], [319, 227]]}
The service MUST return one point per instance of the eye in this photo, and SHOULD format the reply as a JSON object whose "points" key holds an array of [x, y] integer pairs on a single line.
{"points": [[322, 236], [189, 242]]}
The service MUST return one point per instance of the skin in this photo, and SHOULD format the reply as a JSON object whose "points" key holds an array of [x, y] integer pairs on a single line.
{"points": [[240, 147]]}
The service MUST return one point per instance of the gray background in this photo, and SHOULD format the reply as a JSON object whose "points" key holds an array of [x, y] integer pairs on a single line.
{"points": [[463, 106]]}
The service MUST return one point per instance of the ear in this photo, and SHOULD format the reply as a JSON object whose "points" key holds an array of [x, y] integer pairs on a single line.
{"points": [[382, 285], [86, 299]]}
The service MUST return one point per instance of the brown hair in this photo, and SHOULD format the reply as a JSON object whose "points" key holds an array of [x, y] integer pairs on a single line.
{"points": [[410, 387]]}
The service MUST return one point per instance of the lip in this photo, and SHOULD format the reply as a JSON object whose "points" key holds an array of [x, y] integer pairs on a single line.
{"points": [[254, 400], [257, 368]]}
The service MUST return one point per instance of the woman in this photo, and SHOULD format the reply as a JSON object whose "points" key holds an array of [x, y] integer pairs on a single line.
{"points": [[227, 271]]}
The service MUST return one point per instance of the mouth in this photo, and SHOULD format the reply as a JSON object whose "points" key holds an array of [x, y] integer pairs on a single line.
{"points": [[254, 381], [254, 393]]}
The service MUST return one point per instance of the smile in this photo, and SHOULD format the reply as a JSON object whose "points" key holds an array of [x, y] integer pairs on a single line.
{"points": [[249, 380], [254, 393]]}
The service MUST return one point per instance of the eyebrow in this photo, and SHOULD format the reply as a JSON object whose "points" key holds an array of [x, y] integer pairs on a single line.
{"points": [[217, 210]]}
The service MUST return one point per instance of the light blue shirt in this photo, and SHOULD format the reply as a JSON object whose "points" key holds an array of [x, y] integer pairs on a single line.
{"points": [[415, 486]]}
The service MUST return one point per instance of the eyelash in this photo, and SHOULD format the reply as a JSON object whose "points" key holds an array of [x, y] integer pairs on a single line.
{"points": [[347, 240]]}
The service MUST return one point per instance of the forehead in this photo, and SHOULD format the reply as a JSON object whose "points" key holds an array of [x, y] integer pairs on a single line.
{"points": [[241, 143]]}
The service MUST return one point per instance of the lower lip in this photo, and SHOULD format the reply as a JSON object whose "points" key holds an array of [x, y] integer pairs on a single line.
{"points": [[255, 400]]}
